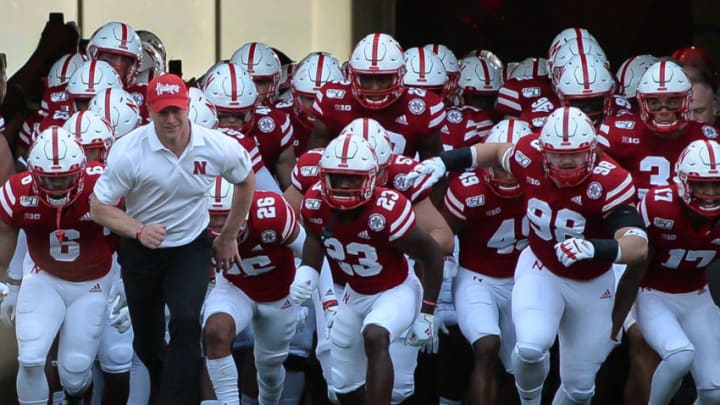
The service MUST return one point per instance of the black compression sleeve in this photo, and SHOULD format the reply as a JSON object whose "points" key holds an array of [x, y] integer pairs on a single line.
{"points": [[457, 159], [622, 217]]}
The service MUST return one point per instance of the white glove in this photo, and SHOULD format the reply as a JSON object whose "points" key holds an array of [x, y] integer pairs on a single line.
{"points": [[120, 314], [450, 268], [4, 291], [432, 345], [426, 174], [574, 249], [421, 330], [7, 307], [330, 314], [305, 282], [301, 313]]}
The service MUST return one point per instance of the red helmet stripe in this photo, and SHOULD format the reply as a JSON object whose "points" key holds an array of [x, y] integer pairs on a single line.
{"points": [[511, 131], [713, 159], [251, 58], [345, 149], [55, 147], [566, 126], [91, 76], [580, 44], [375, 46], [421, 55], [486, 72], [625, 68], [585, 72], [123, 36], [108, 105], [233, 82], [63, 71], [78, 124], [366, 129], [662, 79], [536, 67], [319, 71], [218, 190]]}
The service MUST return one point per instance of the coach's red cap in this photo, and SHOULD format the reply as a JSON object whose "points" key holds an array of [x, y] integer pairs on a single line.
{"points": [[167, 90]]}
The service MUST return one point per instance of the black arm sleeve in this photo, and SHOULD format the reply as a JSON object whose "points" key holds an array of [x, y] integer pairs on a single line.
{"points": [[457, 159], [622, 217]]}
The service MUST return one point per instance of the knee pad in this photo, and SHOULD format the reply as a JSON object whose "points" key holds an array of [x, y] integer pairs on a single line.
{"points": [[76, 372], [679, 361], [117, 359], [530, 354], [577, 396], [709, 396], [346, 330]]}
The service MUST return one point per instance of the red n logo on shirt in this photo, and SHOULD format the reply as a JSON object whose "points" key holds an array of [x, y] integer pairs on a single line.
{"points": [[199, 167]]}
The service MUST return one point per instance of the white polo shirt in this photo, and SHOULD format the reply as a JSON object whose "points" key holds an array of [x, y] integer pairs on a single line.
{"points": [[161, 188]]}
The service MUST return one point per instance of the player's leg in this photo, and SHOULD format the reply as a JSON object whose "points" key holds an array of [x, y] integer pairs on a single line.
{"points": [[273, 325], [700, 320], [347, 353], [115, 356]]}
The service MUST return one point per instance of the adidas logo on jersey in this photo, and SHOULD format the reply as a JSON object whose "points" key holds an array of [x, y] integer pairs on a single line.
{"points": [[86, 217], [402, 120], [256, 248], [577, 200], [286, 304], [606, 294], [364, 235], [96, 288]]}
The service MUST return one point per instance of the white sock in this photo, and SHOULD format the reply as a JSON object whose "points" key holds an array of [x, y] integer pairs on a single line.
{"points": [[293, 388], [32, 386], [270, 395], [224, 378], [139, 383]]}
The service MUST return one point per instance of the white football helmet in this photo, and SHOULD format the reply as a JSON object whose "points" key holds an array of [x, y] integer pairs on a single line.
{"points": [[90, 78], [699, 162], [118, 108], [63, 68], [531, 67], [667, 80], [425, 70], [201, 111], [587, 84], [120, 39], [93, 132], [312, 73], [376, 54], [377, 137], [452, 67], [220, 197], [348, 170], [631, 71], [486, 55], [505, 131], [263, 65], [566, 35], [508, 70], [148, 37], [56, 162], [567, 130], [574, 47], [479, 77], [153, 64], [231, 89]]}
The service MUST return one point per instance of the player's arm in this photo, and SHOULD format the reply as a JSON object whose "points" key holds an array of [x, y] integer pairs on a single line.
{"points": [[419, 245], [284, 166], [113, 218], [8, 241], [320, 136], [294, 198], [430, 220], [307, 274], [7, 166], [430, 145]]}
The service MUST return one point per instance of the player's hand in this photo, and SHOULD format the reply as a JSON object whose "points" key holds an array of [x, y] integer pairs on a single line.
{"points": [[119, 314], [450, 268], [432, 345], [226, 253], [305, 282], [421, 330], [330, 314], [426, 174], [574, 249], [4, 291], [7, 307], [151, 235], [301, 313], [57, 39]]}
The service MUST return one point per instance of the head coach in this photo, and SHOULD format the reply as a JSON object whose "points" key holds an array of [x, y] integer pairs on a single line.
{"points": [[163, 171]]}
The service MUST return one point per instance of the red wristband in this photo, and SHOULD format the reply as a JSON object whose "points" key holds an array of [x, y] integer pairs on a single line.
{"points": [[429, 303], [329, 303], [139, 231]]}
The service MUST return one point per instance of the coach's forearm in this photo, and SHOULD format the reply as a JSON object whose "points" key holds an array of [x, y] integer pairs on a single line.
{"points": [[114, 218], [242, 198]]}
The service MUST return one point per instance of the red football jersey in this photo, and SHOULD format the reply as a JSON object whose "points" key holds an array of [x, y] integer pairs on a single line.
{"points": [[362, 252], [273, 132], [649, 158], [249, 144], [80, 250], [302, 128], [416, 115], [529, 99], [682, 252], [397, 169], [465, 126], [30, 130], [556, 214], [137, 92], [56, 102], [307, 170], [268, 265], [496, 228]]}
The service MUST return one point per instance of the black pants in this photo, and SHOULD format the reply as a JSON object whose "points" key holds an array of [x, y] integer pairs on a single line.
{"points": [[177, 277]]}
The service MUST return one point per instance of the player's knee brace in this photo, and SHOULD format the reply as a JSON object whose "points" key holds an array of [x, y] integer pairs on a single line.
{"points": [[529, 354], [117, 359], [75, 372]]}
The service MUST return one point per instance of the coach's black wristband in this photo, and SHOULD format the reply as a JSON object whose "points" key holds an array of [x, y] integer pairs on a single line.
{"points": [[605, 249], [457, 159]]}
